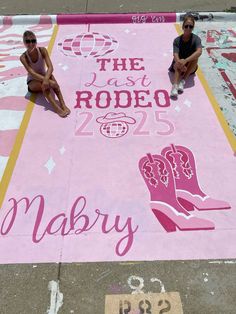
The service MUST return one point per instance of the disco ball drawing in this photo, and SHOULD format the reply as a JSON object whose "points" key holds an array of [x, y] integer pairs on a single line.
{"points": [[88, 45]]}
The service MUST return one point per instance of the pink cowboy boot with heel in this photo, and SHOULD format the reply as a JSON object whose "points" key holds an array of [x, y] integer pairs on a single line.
{"points": [[188, 191], [158, 176]]}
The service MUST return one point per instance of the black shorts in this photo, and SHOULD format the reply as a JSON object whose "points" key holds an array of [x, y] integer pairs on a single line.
{"points": [[28, 86], [171, 68]]}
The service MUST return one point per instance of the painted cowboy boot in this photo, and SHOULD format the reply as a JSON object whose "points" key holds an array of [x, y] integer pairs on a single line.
{"points": [[158, 176], [188, 190]]}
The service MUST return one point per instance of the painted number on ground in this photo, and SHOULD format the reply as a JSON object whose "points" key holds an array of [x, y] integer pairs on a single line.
{"points": [[150, 303]]}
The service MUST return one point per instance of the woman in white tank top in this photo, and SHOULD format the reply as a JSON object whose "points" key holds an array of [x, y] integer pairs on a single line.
{"points": [[36, 60]]}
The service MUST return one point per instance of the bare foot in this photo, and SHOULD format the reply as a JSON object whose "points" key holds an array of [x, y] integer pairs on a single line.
{"points": [[67, 110], [62, 113]]}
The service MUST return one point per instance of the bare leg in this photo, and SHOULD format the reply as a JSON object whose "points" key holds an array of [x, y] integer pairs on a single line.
{"points": [[61, 99], [190, 69], [57, 91], [36, 87], [177, 75], [59, 110]]}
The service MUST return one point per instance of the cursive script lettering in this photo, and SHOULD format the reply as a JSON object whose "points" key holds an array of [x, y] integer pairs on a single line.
{"points": [[76, 221]]}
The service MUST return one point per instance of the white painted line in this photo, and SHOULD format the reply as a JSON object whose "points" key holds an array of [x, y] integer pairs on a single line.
{"points": [[56, 300]]}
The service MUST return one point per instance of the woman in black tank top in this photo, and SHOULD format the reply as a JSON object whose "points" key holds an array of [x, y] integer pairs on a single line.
{"points": [[39, 79]]}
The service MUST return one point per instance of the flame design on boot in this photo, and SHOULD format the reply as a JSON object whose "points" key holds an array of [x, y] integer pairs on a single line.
{"points": [[189, 193]]}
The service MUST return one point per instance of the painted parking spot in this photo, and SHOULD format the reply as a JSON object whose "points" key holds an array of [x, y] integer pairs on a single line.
{"points": [[130, 174]]}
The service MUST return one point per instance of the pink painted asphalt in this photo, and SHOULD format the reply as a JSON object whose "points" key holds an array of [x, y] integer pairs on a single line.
{"points": [[86, 163]]}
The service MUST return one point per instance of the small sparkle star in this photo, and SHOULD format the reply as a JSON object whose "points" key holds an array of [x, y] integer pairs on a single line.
{"points": [[187, 103], [50, 164]]}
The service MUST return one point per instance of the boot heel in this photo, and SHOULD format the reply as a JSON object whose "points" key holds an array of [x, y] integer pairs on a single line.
{"points": [[166, 222], [186, 204]]}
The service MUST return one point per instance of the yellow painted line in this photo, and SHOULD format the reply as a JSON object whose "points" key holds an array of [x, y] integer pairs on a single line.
{"points": [[228, 132], [6, 178], [53, 38]]}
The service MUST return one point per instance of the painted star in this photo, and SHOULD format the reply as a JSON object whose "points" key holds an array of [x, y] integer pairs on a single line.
{"points": [[50, 165], [177, 108], [65, 67], [187, 103]]}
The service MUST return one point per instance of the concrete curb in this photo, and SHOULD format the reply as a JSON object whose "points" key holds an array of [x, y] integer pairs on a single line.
{"points": [[209, 16], [28, 19], [117, 18], [155, 17]]}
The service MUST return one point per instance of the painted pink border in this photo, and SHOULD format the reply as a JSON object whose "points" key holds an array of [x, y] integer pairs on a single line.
{"points": [[115, 18], [94, 18]]}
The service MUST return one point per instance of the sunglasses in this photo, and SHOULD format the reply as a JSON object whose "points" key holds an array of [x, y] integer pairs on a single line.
{"points": [[188, 26], [28, 41]]}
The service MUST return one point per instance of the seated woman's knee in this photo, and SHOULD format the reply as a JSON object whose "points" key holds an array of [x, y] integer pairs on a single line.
{"points": [[176, 67], [55, 86]]}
